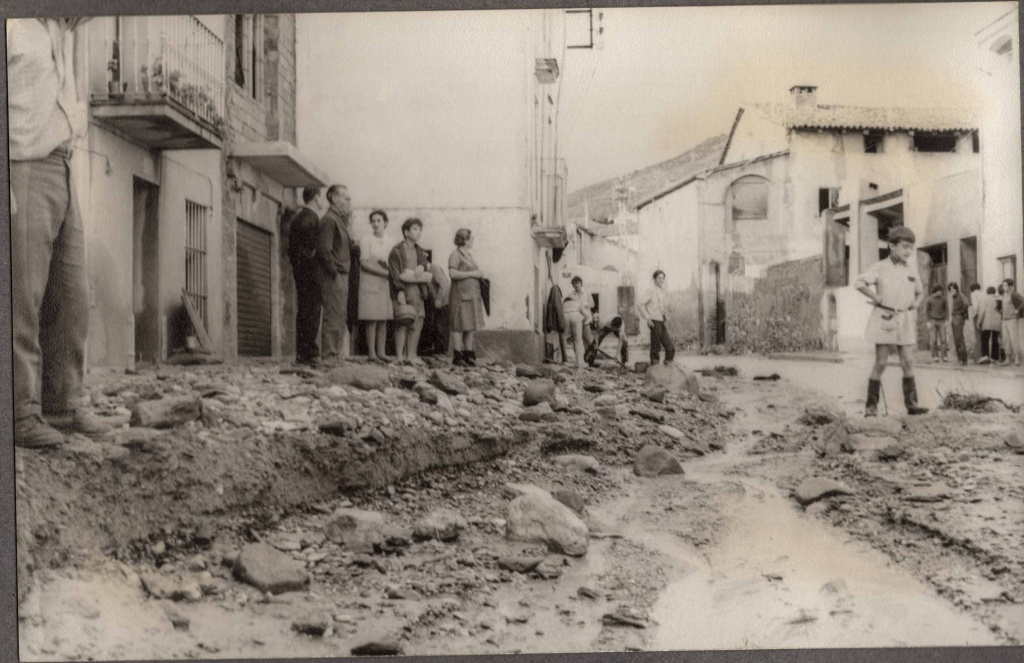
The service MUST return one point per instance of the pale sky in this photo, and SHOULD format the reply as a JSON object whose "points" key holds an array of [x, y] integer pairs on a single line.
{"points": [[668, 78]]}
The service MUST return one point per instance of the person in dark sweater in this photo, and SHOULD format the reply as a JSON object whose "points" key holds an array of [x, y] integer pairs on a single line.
{"points": [[303, 242], [937, 313], [959, 306]]}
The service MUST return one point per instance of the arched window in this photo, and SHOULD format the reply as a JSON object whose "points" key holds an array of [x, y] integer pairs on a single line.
{"points": [[748, 199]]}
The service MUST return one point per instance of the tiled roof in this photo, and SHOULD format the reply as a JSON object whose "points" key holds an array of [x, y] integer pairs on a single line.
{"points": [[860, 117]]}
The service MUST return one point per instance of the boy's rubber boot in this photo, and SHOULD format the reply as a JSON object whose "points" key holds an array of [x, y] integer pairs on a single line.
{"points": [[458, 359], [910, 397], [871, 409]]}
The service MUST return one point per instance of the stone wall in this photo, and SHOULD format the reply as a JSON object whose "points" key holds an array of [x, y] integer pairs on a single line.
{"points": [[782, 313]]}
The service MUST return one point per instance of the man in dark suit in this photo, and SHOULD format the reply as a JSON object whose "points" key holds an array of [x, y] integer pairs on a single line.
{"points": [[303, 242], [335, 255]]}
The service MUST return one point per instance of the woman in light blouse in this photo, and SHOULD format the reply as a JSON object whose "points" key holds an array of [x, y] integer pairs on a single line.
{"points": [[375, 307]]}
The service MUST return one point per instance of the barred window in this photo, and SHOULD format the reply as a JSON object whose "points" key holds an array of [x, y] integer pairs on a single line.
{"points": [[195, 258]]}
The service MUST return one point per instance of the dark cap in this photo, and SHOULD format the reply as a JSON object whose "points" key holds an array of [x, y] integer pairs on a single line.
{"points": [[901, 234]]}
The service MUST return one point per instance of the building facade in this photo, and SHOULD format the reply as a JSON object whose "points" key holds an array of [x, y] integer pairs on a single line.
{"points": [[184, 146], [762, 249]]}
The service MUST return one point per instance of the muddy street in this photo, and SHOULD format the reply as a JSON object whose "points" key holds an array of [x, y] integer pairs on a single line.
{"points": [[258, 510]]}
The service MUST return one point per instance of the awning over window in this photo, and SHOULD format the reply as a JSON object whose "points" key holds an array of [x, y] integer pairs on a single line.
{"points": [[281, 161]]}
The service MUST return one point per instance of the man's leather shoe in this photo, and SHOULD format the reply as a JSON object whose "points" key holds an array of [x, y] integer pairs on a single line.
{"points": [[78, 422], [34, 433]]}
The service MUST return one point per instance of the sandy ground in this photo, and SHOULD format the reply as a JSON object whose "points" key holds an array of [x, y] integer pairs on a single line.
{"points": [[719, 557]]}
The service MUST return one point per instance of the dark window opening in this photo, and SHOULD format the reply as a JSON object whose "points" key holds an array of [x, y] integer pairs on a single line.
{"points": [[823, 200], [975, 142], [874, 142], [935, 142]]}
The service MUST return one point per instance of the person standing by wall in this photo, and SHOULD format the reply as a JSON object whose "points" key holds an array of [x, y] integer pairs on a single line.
{"points": [[1013, 310], [466, 304], [375, 307], [974, 339], [303, 245], [959, 307], [579, 311], [937, 312], [409, 269], [335, 255], [652, 308], [50, 292], [990, 322], [894, 288]]}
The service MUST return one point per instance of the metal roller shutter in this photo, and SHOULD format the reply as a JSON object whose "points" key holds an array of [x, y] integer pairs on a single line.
{"points": [[253, 251]]}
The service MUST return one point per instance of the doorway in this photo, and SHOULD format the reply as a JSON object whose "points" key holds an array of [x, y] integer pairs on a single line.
{"points": [[716, 278], [145, 275]]}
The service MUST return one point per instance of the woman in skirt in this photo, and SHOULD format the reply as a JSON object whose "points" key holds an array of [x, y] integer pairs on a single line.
{"points": [[895, 289], [466, 305], [375, 307]]}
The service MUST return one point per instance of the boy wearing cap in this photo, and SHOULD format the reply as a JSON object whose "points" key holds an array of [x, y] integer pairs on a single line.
{"points": [[895, 289]]}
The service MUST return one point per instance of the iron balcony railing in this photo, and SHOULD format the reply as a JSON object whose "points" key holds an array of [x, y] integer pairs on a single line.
{"points": [[158, 57]]}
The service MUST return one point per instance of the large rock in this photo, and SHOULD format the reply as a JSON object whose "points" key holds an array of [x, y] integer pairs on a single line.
{"points": [[540, 391], [539, 412], [653, 461], [358, 530], [269, 569], [672, 432], [440, 524], [527, 371], [606, 399], [834, 439], [167, 412], [448, 383], [815, 488], [655, 393], [578, 462], [361, 376], [673, 378], [540, 518], [935, 492], [819, 415]]}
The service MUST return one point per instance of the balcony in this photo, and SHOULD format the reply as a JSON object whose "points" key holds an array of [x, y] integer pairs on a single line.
{"points": [[159, 81]]}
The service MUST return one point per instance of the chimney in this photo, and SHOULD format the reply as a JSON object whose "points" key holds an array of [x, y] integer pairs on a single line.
{"points": [[804, 96]]}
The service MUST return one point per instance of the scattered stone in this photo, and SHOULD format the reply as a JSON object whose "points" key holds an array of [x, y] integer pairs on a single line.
{"points": [[707, 398], [578, 462], [538, 518], [196, 563], [641, 366], [338, 426], [655, 394], [595, 388], [361, 376], [819, 415], [167, 412], [448, 383], [440, 524], [672, 432], [673, 378], [834, 439], [519, 564], [527, 371], [159, 586], [551, 567], [860, 443], [875, 426], [269, 569], [653, 461], [145, 440], [314, 626], [935, 492], [570, 499], [539, 391], [816, 488], [656, 417], [178, 620], [622, 617], [539, 412], [891, 452], [1014, 442], [358, 530], [513, 490], [774, 377], [588, 593], [605, 400], [378, 649]]}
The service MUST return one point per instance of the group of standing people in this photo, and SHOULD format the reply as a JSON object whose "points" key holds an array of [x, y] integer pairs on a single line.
{"points": [[397, 283], [995, 315]]}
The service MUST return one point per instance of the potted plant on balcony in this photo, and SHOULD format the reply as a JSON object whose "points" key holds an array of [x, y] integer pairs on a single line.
{"points": [[188, 96], [114, 88], [204, 104], [158, 74], [174, 82]]}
